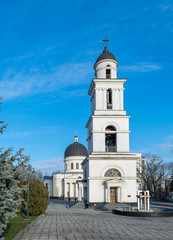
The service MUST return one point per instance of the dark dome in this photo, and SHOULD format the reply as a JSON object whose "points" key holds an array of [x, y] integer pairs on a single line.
{"points": [[105, 55], [76, 149]]}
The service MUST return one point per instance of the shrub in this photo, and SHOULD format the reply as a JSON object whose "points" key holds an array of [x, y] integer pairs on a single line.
{"points": [[38, 198]]}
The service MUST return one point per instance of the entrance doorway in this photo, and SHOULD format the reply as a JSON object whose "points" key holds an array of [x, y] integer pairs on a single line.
{"points": [[113, 194]]}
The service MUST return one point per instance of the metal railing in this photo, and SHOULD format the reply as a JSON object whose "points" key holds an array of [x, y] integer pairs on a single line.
{"points": [[111, 149], [109, 106], [108, 75]]}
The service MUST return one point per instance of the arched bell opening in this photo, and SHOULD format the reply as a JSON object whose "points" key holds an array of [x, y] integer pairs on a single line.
{"points": [[109, 98], [110, 139]]}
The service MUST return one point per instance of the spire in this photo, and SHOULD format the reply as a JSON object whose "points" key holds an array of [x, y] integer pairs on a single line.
{"points": [[105, 40], [76, 137]]}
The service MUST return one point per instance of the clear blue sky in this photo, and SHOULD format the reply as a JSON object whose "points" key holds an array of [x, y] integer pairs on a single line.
{"points": [[47, 53]]}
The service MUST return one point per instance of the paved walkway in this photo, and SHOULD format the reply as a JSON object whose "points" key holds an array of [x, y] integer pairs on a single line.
{"points": [[85, 224]]}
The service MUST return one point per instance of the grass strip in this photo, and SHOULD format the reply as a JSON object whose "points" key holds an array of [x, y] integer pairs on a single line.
{"points": [[15, 225]]}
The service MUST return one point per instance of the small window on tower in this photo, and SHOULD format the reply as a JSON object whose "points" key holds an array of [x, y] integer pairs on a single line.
{"points": [[109, 98], [71, 165], [108, 73]]}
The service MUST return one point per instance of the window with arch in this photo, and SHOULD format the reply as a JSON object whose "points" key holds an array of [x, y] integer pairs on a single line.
{"points": [[71, 165], [77, 165], [112, 173], [110, 139], [109, 98]]}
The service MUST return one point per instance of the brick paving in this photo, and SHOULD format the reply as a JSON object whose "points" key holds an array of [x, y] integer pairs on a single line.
{"points": [[86, 224]]}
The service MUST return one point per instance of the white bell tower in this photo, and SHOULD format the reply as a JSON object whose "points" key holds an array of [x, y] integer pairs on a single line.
{"points": [[110, 169], [108, 126]]}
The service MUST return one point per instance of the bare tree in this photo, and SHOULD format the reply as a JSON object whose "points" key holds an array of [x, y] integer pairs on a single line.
{"points": [[1, 122], [39, 175], [153, 172], [56, 171]]}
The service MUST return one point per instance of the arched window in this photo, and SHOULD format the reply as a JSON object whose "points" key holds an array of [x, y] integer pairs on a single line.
{"points": [[109, 98], [110, 139], [77, 165], [112, 173], [71, 165]]}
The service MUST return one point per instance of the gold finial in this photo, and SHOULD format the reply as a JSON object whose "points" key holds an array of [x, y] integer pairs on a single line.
{"points": [[76, 137]]}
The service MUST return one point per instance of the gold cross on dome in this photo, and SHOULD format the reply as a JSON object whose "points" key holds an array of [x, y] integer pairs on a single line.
{"points": [[105, 40]]}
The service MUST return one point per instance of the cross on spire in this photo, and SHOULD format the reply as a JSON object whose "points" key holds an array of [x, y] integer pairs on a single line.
{"points": [[105, 40]]}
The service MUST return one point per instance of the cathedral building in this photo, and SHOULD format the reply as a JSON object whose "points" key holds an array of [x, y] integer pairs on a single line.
{"points": [[65, 185], [107, 171]]}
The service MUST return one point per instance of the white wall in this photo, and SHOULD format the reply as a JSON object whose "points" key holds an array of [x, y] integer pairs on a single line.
{"points": [[74, 160], [100, 68], [99, 186]]}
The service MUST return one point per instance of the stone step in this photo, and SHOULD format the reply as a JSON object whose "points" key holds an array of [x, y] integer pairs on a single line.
{"points": [[110, 206], [77, 205]]}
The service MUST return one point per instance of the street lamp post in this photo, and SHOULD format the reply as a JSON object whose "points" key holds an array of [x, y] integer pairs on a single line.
{"points": [[27, 216]]}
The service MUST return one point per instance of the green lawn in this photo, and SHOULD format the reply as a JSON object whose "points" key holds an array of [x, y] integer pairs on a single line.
{"points": [[16, 224]]}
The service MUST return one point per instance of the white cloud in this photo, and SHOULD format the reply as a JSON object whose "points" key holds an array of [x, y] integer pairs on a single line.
{"points": [[166, 6], [50, 165], [17, 84], [46, 129], [141, 67], [167, 146]]}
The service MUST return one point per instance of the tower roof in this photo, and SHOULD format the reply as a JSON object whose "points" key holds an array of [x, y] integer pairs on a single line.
{"points": [[105, 55]]}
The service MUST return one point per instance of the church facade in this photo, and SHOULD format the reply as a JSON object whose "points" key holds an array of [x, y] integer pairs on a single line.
{"points": [[106, 172], [67, 185]]}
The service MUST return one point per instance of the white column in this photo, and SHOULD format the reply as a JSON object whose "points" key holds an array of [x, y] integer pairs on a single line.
{"points": [[108, 194], [113, 99], [121, 100], [104, 100], [117, 99], [70, 190], [79, 195], [96, 99], [76, 190], [138, 203], [65, 188], [79, 192], [118, 194]]}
